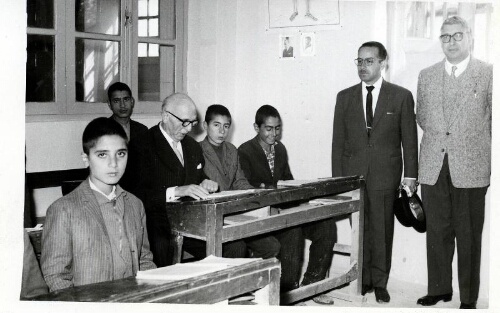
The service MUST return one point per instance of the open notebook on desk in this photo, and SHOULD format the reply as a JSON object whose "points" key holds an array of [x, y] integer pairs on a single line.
{"points": [[180, 271]]}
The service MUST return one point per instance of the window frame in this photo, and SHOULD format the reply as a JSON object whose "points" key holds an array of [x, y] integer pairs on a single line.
{"points": [[65, 106]]}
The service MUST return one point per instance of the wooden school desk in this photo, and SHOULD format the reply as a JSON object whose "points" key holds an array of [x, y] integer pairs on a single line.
{"points": [[204, 219], [260, 275]]}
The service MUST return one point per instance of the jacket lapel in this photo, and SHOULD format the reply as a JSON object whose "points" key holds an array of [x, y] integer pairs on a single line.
{"points": [[92, 206], [357, 104], [262, 156], [164, 151], [469, 84], [382, 102], [212, 156]]}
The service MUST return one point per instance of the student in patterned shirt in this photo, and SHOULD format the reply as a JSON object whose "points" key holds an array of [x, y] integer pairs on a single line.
{"points": [[264, 161]]}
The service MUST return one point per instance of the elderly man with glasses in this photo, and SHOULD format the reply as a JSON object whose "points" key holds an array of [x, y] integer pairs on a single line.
{"points": [[171, 167], [454, 111], [373, 120]]}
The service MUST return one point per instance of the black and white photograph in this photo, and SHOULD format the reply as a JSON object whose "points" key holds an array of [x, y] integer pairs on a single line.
{"points": [[307, 44], [211, 155], [287, 44]]}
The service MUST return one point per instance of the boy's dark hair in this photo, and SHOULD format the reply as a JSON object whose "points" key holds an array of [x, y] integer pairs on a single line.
{"points": [[101, 126], [382, 52], [118, 86], [264, 112], [214, 110]]}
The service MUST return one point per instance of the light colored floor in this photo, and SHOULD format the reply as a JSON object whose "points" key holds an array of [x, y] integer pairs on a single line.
{"points": [[403, 295]]}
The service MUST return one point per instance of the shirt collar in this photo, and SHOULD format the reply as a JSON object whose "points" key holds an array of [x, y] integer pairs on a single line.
{"points": [[460, 66], [377, 84], [169, 139], [111, 196]]}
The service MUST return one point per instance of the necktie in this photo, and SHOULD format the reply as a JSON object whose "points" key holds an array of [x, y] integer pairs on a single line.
{"points": [[453, 69], [177, 152], [369, 110]]}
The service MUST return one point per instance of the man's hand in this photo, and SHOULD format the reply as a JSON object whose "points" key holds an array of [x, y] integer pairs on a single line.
{"points": [[194, 191], [412, 184], [209, 185]]}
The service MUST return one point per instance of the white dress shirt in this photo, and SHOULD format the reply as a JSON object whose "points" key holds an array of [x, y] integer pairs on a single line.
{"points": [[461, 67]]}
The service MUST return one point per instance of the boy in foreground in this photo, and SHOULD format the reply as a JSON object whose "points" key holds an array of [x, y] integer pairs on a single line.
{"points": [[264, 161], [222, 166], [97, 232]]}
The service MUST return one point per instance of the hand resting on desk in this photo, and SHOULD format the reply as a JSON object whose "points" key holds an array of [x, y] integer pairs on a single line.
{"points": [[197, 192]]}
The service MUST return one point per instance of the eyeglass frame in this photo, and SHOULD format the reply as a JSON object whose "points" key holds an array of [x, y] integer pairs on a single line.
{"points": [[185, 123], [442, 37], [367, 61]]}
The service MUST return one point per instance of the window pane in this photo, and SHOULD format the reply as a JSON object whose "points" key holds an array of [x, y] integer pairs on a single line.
{"points": [[143, 28], [154, 50], [40, 69], [417, 19], [97, 16], [153, 7], [143, 50], [153, 27], [156, 74], [143, 7], [97, 67], [167, 17], [40, 13]]}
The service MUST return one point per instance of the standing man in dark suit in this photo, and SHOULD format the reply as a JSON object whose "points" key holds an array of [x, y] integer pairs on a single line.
{"points": [[454, 111], [370, 145], [121, 103], [171, 167]]}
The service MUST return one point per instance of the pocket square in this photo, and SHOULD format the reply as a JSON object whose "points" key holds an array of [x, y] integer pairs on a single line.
{"points": [[199, 166], [390, 112]]}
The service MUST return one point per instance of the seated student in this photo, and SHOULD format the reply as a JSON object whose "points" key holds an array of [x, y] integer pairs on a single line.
{"points": [[264, 161], [121, 103], [98, 231], [223, 167]]}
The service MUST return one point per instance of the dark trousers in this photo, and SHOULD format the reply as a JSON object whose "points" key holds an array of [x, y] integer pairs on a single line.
{"points": [[197, 248], [323, 236], [453, 214], [378, 236], [263, 246]]}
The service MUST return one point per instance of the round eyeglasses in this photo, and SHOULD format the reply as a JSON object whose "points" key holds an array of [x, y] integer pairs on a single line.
{"points": [[185, 123], [456, 36], [367, 61]]}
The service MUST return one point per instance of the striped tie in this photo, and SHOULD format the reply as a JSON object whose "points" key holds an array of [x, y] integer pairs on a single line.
{"points": [[177, 152], [453, 69]]}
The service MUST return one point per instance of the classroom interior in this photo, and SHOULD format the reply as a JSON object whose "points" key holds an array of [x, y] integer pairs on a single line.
{"points": [[228, 52]]}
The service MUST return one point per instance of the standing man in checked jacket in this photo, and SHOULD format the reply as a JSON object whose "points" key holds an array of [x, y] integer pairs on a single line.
{"points": [[454, 111]]}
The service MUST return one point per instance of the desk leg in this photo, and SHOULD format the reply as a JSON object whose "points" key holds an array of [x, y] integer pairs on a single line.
{"points": [[357, 231], [270, 295], [214, 225], [177, 241]]}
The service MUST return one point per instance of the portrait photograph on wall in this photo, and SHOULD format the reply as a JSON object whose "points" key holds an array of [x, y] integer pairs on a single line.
{"points": [[286, 46], [299, 13], [307, 44]]}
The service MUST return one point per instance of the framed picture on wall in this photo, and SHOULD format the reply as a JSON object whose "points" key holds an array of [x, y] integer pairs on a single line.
{"points": [[287, 44], [301, 13], [307, 44]]}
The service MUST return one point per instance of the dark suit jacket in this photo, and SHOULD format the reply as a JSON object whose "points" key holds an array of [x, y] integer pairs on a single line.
{"points": [[227, 174], [76, 248], [288, 53], [378, 157], [159, 168], [130, 177], [256, 168]]}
